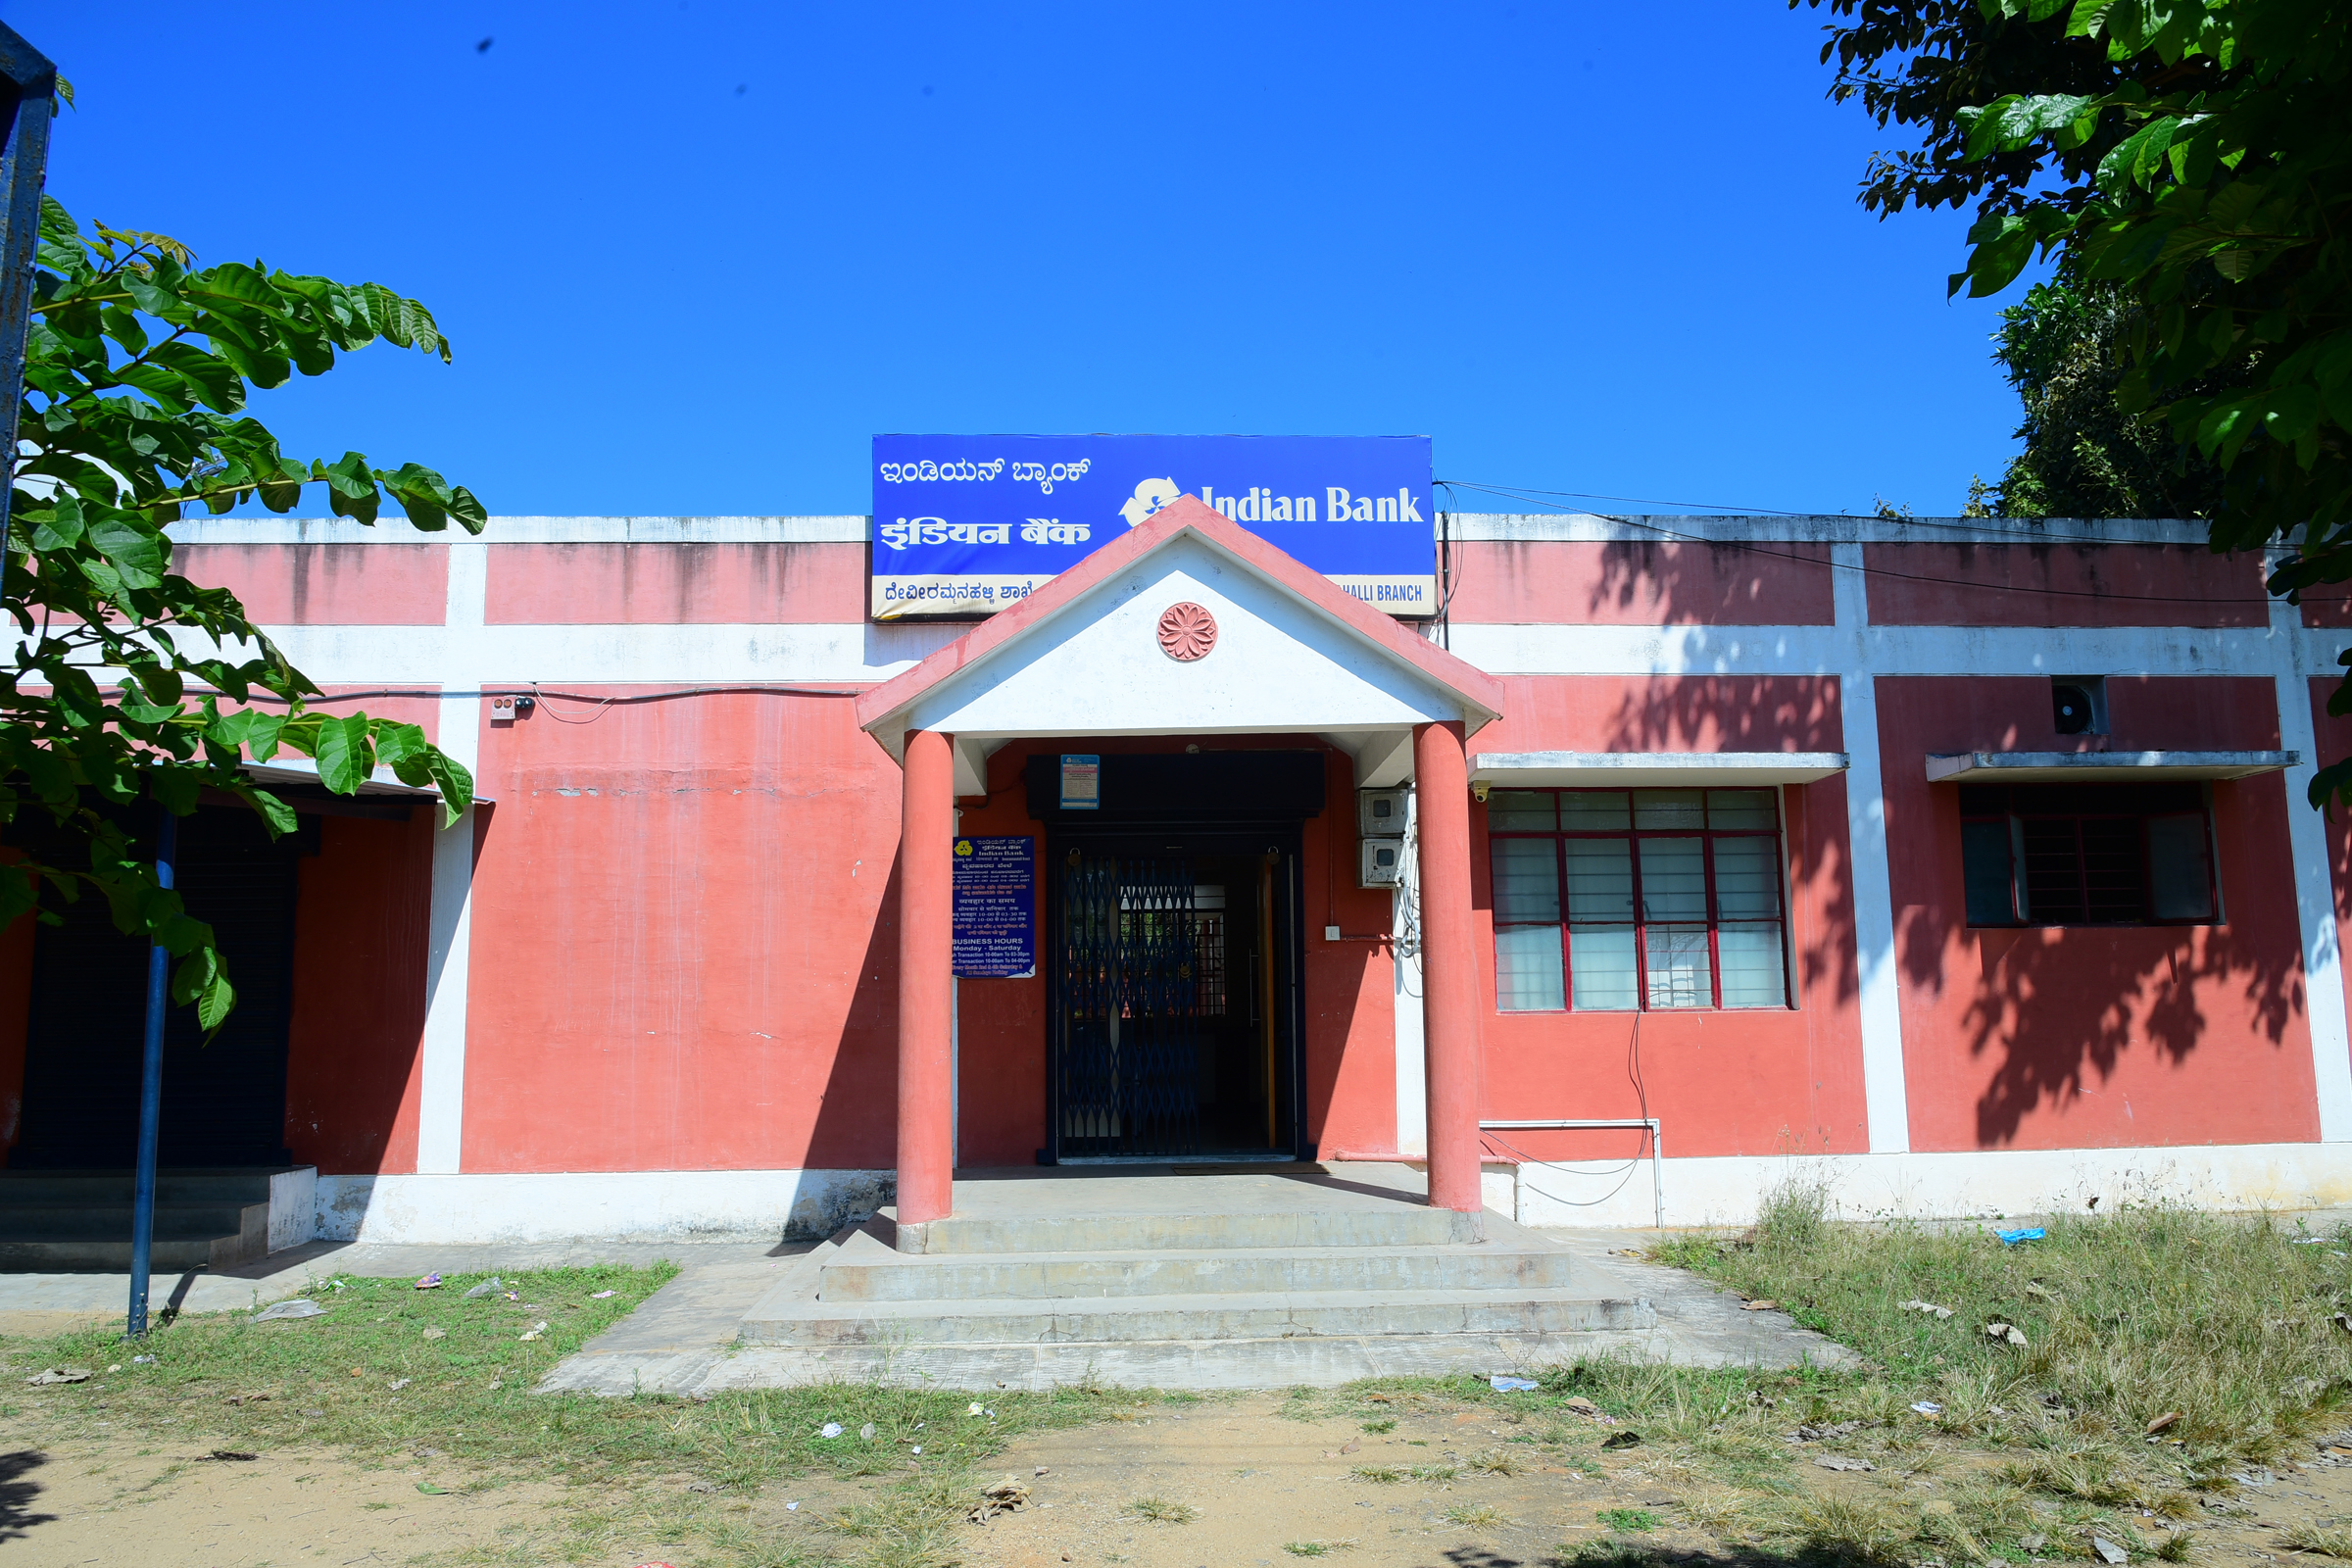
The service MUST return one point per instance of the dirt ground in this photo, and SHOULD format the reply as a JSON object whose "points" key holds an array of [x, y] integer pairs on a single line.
{"points": [[1263, 1484]]}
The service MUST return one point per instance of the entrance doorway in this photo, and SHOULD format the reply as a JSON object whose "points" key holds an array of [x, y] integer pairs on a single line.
{"points": [[1173, 950]]}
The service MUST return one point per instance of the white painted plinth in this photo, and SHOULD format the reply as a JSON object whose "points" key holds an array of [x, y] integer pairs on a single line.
{"points": [[613, 1205]]}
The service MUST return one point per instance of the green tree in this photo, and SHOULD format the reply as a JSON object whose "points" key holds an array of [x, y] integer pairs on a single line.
{"points": [[2195, 158], [2083, 456], [131, 683]]}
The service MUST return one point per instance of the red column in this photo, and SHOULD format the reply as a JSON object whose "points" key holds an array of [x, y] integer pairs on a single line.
{"points": [[1450, 985], [926, 971]]}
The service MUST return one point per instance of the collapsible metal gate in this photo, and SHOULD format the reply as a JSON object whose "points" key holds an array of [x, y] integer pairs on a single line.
{"points": [[1126, 1008]]}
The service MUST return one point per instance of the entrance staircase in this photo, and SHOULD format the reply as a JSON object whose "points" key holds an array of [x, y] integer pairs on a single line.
{"points": [[1174, 1278], [63, 1221]]}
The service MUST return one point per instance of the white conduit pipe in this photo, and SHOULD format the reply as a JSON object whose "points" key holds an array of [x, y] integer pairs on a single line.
{"points": [[1657, 1147]]}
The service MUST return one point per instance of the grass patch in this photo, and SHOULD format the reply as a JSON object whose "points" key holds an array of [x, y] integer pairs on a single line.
{"points": [[1380, 1428], [465, 1416], [2332, 1540], [1628, 1521], [1316, 1549], [2126, 1317], [1476, 1516], [1380, 1475], [1163, 1510]]}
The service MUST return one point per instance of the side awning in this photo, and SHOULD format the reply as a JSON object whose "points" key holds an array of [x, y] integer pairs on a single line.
{"points": [[2100, 768], [1650, 769], [300, 772]]}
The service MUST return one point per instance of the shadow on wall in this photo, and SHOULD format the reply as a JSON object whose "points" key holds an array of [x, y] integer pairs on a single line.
{"points": [[1767, 713], [2063, 1005], [1687, 583]]}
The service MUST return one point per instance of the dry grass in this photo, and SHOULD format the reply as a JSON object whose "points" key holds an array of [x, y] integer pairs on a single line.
{"points": [[1163, 1510], [2327, 1539], [1477, 1516]]}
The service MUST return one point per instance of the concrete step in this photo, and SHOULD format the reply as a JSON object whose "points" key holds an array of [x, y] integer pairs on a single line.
{"points": [[103, 1221], [1317, 1361], [243, 1183], [79, 1256], [867, 1270], [1384, 1224], [785, 1316]]}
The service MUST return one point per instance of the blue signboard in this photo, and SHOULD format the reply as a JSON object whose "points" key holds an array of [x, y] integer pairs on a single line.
{"points": [[966, 524], [994, 923]]}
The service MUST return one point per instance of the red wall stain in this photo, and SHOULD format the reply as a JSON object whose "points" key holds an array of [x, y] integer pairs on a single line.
{"points": [[676, 584], [685, 941], [1665, 713], [2063, 585], [352, 1065], [2328, 604], [1740, 1082], [1650, 583], [390, 584], [2095, 1037]]}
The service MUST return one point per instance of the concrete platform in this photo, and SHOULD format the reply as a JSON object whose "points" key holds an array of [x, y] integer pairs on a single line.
{"points": [[1237, 1279]]}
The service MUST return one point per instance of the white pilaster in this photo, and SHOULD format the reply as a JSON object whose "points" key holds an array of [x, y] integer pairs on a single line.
{"points": [[1412, 1081], [441, 1100], [2314, 885], [1886, 1099]]}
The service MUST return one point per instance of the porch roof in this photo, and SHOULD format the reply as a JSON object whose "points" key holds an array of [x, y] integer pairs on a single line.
{"points": [[1295, 654]]}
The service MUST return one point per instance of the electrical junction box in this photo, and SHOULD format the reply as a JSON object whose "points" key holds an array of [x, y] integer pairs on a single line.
{"points": [[1380, 813], [1382, 862]]}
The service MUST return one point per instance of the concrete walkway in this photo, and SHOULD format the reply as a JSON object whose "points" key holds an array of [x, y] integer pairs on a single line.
{"points": [[53, 1303]]}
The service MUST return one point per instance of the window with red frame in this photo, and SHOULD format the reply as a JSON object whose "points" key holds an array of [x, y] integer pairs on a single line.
{"points": [[2088, 854], [1637, 899]]}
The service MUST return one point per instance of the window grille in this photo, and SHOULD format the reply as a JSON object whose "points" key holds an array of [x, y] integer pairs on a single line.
{"points": [[1650, 899]]}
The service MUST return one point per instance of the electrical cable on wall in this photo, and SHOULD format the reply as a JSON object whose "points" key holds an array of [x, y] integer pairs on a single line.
{"points": [[1648, 1139]]}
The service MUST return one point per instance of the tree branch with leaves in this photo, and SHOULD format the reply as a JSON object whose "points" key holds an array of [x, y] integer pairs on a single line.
{"points": [[131, 684], [2190, 163]]}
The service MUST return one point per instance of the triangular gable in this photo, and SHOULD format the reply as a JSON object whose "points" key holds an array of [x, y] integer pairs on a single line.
{"points": [[1289, 621]]}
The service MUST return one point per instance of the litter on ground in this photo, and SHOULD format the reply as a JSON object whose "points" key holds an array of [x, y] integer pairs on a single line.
{"points": [[300, 1306], [1507, 1385], [489, 1287], [430, 1282], [1926, 1307], [2031, 1233], [1926, 1407], [831, 1429], [60, 1374], [2006, 1334], [601, 1295], [1007, 1496]]}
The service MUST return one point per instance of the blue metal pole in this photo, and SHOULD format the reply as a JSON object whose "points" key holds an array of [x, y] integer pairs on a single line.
{"points": [[151, 1095]]}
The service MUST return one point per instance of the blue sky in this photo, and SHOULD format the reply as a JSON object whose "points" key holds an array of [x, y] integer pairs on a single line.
{"points": [[693, 254]]}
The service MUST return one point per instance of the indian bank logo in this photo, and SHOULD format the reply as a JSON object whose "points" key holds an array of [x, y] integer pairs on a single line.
{"points": [[1148, 497]]}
